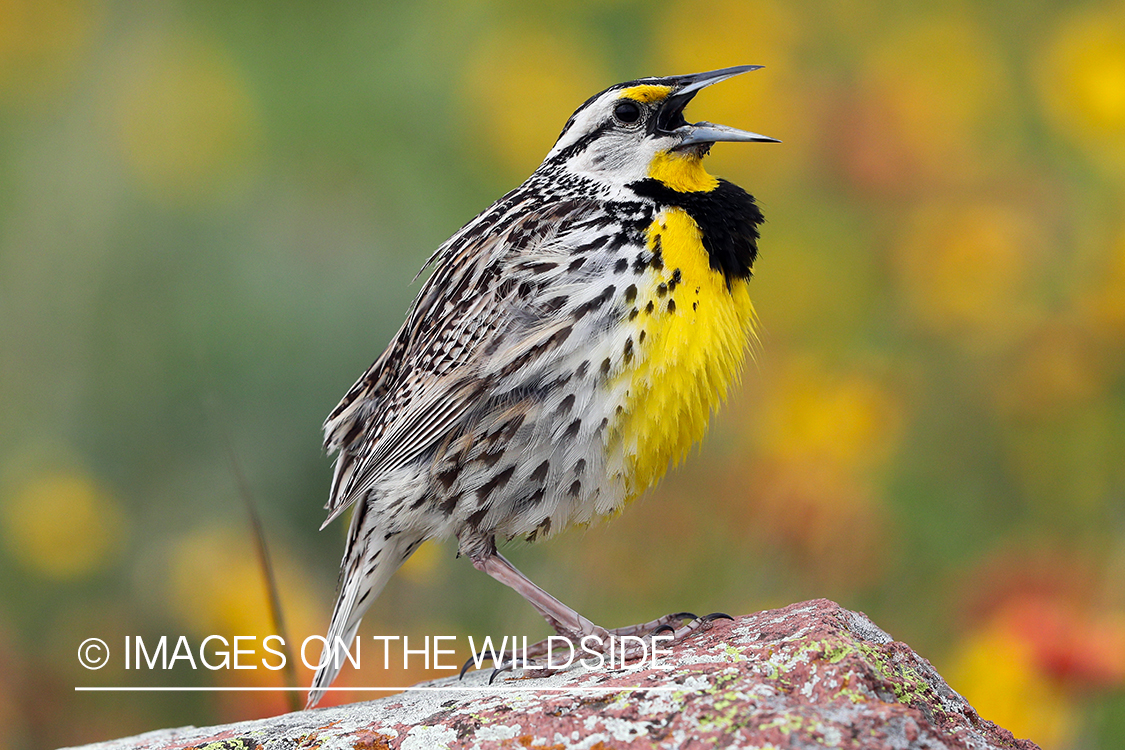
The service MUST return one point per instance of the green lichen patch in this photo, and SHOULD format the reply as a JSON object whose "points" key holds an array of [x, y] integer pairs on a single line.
{"points": [[234, 743]]}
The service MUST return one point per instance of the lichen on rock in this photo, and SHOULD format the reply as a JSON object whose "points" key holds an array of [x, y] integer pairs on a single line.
{"points": [[807, 675]]}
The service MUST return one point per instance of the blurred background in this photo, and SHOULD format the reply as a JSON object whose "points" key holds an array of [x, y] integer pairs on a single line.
{"points": [[211, 213]]}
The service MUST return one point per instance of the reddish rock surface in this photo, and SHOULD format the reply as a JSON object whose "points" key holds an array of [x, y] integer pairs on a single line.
{"points": [[808, 675]]}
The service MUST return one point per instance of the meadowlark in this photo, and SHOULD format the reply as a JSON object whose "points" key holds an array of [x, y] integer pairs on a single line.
{"points": [[569, 345]]}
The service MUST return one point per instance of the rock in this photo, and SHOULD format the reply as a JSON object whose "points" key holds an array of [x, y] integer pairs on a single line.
{"points": [[808, 675]]}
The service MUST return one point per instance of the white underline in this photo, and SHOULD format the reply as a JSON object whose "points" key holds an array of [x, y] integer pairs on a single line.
{"points": [[478, 688]]}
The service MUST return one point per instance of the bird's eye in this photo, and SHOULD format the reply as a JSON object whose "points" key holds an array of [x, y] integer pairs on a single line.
{"points": [[627, 112]]}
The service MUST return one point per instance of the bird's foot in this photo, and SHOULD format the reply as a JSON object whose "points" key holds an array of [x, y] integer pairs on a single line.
{"points": [[619, 646], [641, 641]]}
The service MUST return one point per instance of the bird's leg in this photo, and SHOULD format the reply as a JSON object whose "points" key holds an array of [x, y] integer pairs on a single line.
{"points": [[565, 620], [568, 623]]}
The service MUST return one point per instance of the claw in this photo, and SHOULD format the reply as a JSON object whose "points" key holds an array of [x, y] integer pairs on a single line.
{"points": [[705, 622], [685, 616], [663, 629], [503, 668], [490, 655]]}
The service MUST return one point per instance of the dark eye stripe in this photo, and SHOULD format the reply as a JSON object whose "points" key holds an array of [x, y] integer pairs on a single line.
{"points": [[582, 143]]}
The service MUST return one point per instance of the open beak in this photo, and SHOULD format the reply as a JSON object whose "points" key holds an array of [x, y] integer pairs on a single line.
{"points": [[670, 119]]}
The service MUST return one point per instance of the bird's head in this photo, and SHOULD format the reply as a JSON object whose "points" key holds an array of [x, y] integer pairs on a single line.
{"points": [[636, 130]]}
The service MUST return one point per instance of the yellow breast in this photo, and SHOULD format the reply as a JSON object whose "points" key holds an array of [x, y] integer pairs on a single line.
{"points": [[691, 333]]}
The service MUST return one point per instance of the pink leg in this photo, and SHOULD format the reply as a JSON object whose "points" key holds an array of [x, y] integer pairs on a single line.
{"points": [[569, 623], [562, 618]]}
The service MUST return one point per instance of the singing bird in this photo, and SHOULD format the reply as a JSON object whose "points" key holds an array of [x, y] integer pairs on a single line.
{"points": [[569, 345]]}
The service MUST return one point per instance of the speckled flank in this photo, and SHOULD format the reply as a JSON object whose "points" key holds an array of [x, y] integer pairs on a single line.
{"points": [[809, 675]]}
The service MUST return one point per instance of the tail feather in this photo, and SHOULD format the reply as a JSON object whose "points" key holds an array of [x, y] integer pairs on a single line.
{"points": [[368, 567]]}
